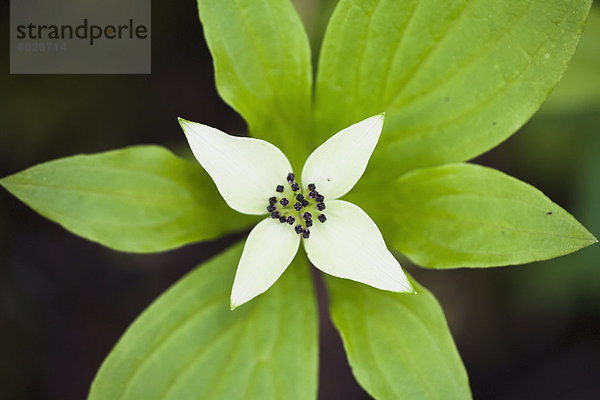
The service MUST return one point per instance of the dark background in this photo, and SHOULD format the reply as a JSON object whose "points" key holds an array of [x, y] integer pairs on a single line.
{"points": [[528, 332]]}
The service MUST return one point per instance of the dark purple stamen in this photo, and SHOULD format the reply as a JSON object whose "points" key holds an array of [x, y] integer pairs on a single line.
{"points": [[300, 201]]}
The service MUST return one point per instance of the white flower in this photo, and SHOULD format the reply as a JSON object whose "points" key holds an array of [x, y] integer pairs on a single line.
{"points": [[255, 177]]}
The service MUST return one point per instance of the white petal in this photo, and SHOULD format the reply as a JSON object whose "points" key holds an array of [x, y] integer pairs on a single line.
{"points": [[270, 248], [336, 165], [349, 245], [245, 170]]}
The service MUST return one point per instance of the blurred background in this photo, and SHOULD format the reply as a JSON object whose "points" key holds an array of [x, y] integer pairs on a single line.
{"points": [[527, 332]]}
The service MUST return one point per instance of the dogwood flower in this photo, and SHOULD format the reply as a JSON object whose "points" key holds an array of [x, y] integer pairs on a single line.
{"points": [[255, 177]]}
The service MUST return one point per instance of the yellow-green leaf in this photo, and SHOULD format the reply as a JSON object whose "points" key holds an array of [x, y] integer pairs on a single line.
{"points": [[262, 68], [464, 215], [455, 78], [189, 345], [138, 199], [398, 345]]}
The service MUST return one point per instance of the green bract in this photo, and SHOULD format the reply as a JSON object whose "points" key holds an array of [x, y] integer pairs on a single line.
{"points": [[455, 78]]}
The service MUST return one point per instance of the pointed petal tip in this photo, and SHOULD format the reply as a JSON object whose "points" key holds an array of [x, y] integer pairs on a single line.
{"points": [[408, 286], [403, 287], [376, 119], [183, 122], [379, 117], [411, 291], [237, 301]]}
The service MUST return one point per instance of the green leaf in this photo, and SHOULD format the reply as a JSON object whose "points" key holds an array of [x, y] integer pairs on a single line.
{"points": [[454, 77], [398, 345], [464, 215], [189, 345], [262, 68], [138, 199]]}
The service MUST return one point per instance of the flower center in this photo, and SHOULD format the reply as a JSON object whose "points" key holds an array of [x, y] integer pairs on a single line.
{"points": [[292, 206]]}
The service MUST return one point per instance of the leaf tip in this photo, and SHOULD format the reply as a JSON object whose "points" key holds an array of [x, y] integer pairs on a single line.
{"points": [[6, 182], [590, 238]]}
